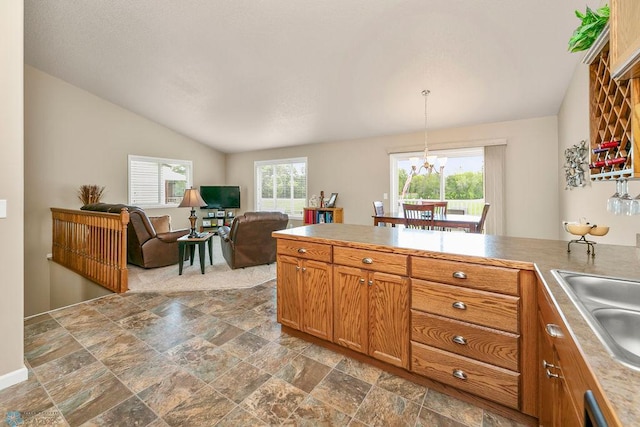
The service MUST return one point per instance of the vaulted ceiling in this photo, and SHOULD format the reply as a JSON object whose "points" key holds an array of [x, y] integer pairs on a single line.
{"points": [[242, 75]]}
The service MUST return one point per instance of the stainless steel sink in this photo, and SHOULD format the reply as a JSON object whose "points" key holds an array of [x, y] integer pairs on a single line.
{"points": [[611, 306]]}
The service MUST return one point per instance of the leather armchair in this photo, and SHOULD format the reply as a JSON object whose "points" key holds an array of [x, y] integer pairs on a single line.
{"points": [[145, 247], [248, 241]]}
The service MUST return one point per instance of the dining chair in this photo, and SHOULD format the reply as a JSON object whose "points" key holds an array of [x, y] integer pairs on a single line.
{"points": [[483, 217], [418, 216], [440, 211], [378, 208]]}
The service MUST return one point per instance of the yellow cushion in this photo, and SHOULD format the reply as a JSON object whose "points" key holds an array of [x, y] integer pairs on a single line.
{"points": [[162, 224]]}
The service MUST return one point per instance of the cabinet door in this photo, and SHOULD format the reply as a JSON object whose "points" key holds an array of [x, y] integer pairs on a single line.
{"points": [[389, 318], [289, 292], [350, 322], [547, 386], [317, 299]]}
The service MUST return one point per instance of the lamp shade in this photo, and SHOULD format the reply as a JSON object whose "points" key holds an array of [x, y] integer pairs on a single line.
{"points": [[192, 199]]}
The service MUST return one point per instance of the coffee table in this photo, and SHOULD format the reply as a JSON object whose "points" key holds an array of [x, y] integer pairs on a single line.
{"points": [[192, 242]]}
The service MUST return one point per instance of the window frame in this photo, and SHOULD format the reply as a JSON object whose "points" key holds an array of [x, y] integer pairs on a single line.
{"points": [[274, 162], [449, 153], [158, 161]]}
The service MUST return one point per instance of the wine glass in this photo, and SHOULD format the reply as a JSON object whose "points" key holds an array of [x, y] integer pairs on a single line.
{"points": [[635, 206], [625, 199], [613, 202]]}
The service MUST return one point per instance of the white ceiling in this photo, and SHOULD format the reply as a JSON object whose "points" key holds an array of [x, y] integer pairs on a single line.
{"points": [[242, 75]]}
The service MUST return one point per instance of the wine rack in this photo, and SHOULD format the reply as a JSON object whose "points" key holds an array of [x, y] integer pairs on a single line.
{"points": [[611, 110]]}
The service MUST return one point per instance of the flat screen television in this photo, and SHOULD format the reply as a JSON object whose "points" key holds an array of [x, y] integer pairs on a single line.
{"points": [[220, 196]]}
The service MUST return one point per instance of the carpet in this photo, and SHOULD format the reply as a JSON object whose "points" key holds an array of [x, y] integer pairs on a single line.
{"points": [[216, 276]]}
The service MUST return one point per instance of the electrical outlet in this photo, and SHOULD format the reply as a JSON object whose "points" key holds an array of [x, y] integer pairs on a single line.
{"points": [[385, 196], [3, 208]]}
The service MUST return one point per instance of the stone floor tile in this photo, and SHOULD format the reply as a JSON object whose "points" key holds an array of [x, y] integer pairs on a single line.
{"points": [[203, 359], [173, 389], [303, 372], [383, 408], [312, 412], [240, 381], [453, 408], [342, 391], [205, 408], [132, 412], [274, 401]]}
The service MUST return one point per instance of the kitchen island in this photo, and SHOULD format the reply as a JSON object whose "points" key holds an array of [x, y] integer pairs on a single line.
{"points": [[410, 274]]}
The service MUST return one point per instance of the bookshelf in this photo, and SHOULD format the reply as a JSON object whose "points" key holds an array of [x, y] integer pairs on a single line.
{"points": [[322, 215], [216, 219]]}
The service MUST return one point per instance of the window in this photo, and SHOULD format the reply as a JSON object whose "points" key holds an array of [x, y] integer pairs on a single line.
{"points": [[158, 183], [460, 181], [281, 185]]}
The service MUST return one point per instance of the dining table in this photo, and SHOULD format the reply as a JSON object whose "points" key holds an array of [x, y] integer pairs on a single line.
{"points": [[444, 222]]}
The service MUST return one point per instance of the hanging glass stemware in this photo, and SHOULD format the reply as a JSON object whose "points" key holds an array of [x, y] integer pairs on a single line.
{"points": [[625, 198], [635, 206], [613, 202]]}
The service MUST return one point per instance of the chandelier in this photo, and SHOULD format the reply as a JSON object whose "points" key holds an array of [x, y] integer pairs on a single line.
{"points": [[428, 160]]}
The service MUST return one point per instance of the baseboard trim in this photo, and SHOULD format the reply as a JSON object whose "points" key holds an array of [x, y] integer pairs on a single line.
{"points": [[15, 377]]}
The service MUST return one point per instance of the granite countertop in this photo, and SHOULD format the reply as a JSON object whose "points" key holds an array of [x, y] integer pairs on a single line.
{"points": [[620, 383]]}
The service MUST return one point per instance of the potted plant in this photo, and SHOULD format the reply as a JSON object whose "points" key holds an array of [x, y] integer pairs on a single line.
{"points": [[592, 25]]}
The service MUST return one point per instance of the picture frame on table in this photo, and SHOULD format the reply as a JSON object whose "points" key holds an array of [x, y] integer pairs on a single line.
{"points": [[331, 203]]}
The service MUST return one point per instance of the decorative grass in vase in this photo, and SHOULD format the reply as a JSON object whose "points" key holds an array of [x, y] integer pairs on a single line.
{"points": [[90, 194]]}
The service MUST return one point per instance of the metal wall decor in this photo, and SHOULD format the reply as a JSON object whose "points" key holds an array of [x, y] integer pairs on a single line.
{"points": [[575, 165]]}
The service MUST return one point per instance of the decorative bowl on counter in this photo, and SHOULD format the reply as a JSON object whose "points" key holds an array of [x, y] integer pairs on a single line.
{"points": [[576, 228], [599, 230]]}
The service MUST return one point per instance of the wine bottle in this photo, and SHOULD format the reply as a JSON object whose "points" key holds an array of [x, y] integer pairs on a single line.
{"points": [[607, 162]]}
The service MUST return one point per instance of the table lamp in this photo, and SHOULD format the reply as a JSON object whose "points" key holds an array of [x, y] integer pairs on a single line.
{"points": [[192, 199]]}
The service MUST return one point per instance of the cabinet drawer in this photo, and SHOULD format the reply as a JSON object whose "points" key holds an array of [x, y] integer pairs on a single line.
{"points": [[469, 305], [491, 382], [306, 250], [477, 342], [484, 277], [371, 260]]}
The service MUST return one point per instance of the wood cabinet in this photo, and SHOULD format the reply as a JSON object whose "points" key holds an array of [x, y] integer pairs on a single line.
{"points": [[457, 323], [371, 314], [371, 308], [564, 376], [466, 332], [304, 289], [625, 39]]}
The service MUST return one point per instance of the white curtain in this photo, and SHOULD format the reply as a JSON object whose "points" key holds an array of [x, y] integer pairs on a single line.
{"points": [[494, 188]]}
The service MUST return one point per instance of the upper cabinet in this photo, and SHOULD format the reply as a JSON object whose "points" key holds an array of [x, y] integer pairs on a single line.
{"points": [[614, 109], [625, 39]]}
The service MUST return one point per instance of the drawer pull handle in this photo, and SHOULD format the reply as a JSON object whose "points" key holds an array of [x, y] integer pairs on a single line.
{"points": [[297, 268], [547, 365], [367, 261], [459, 305], [459, 374], [460, 275], [370, 282], [302, 251], [458, 339], [554, 331], [552, 375], [361, 280], [304, 268]]}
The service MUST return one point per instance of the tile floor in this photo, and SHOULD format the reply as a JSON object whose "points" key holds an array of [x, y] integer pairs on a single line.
{"points": [[202, 359]]}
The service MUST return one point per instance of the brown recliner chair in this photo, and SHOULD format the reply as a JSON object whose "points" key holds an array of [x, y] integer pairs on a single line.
{"points": [[248, 241], [145, 247]]}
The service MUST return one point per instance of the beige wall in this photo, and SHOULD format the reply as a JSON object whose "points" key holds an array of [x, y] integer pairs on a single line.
{"points": [[12, 369], [589, 201], [359, 171], [72, 138]]}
